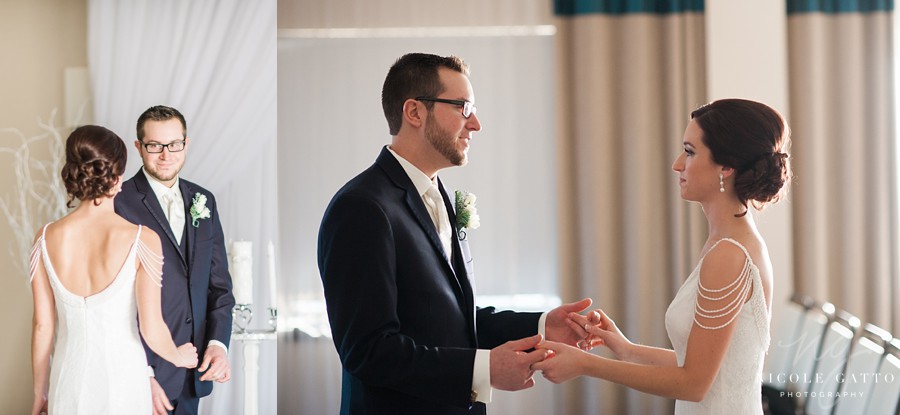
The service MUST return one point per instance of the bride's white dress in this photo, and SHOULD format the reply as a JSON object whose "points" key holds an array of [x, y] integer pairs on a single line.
{"points": [[98, 364], [737, 387]]}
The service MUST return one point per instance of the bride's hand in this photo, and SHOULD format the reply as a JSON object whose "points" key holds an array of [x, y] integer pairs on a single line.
{"points": [[602, 331], [188, 354], [40, 405], [564, 362]]}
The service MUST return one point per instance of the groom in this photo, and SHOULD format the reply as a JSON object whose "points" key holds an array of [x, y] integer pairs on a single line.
{"points": [[196, 287], [398, 277]]}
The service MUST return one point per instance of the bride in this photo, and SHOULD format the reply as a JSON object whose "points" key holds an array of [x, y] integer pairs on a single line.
{"points": [[94, 277], [718, 322]]}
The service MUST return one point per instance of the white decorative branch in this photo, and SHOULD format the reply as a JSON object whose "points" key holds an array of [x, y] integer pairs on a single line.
{"points": [[39, 195]]}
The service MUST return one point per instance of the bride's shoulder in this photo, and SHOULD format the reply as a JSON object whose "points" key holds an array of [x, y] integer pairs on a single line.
{"points": [[40, 233], [150, 239], [124, 231], [723, 263]]}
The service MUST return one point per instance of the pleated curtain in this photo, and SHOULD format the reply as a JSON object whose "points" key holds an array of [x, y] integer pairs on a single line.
{"points": [[630, 73], [841, 60]]}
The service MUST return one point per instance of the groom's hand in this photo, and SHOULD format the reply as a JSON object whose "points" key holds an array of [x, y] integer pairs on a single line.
{"points": [[511, 364], [558, 330], [161, 404], [215, 365]]}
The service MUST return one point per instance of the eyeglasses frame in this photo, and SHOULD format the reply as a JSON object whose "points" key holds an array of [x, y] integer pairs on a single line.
{"points": [[458, 102], [164, 147]]}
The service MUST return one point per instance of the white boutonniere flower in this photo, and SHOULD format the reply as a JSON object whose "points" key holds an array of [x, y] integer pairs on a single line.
{"points": [[199, 209], [466, 213]]}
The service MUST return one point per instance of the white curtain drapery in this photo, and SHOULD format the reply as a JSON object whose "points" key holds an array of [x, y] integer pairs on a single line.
{"points": [[215, 61]]}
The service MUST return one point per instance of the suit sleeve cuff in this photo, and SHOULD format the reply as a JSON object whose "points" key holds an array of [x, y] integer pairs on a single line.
{"points": [[481, 377], [219, 344], [542, 325]]}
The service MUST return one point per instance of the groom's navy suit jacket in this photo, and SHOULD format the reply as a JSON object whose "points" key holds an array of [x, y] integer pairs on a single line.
{"points": [[196, 285], [403, 315]]}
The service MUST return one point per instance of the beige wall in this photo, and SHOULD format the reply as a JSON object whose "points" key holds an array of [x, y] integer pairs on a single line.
{"points": [[315, 14], [38, 39], [756, 70]]}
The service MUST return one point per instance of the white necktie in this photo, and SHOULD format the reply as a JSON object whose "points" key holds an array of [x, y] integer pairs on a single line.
{"points": [[438, 211], [174, 213]]}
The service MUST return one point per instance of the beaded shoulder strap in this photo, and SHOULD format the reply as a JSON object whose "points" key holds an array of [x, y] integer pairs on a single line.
{"points": [[150, 261], [727, 301], [36, 254]]}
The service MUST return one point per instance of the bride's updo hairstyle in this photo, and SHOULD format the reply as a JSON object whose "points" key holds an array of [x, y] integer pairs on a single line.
{"points": [[95, 159], [749, 137]]}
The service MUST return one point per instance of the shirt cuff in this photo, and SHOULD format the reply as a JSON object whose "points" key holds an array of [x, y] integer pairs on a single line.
{"points": [[542, 325], [150, 371], [218, 343], [481, 377]]}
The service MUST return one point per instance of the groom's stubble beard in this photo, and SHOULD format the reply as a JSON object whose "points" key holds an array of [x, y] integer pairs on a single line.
{"points": [[163, 178], [444, 142]]}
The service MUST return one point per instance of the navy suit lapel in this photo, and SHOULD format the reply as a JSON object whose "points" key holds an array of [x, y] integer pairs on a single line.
{"points": [[451, 215], [415, 204], [148, 197], [458, 261], [191, 232]]}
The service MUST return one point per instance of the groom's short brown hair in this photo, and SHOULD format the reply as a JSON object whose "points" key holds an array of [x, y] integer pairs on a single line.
{"points": [[159, 113], [414, 75]]}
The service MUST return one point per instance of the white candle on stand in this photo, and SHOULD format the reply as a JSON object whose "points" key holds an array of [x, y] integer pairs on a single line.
{"points": [[241, 258], [271, 257]]}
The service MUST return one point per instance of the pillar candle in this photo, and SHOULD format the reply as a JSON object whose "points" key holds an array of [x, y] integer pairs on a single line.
{"points": [[241, 256]]}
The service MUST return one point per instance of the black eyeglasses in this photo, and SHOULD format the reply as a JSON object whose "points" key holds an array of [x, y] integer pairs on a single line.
{"points": [[468, 108], [173, 147]]}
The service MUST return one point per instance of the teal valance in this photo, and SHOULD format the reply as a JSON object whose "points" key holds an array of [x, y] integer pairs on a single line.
{"points": [[576, 7], [839, 6]]}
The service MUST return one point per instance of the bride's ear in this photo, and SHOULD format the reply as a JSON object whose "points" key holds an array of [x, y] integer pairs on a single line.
{"points": [[727, 171], [117, 187]]}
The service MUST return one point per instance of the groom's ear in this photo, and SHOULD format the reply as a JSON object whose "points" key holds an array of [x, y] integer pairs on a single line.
{"points": [[137, 145], [413, 113]]}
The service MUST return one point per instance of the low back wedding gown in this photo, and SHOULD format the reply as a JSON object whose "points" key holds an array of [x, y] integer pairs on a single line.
{"points": [[737, 387], [98, 364]]}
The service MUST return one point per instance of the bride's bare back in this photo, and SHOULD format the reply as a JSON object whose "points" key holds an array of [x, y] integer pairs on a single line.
{"points": [[88, 251]]}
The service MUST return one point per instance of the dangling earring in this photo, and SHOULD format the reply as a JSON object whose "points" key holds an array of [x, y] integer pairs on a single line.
{"points": [[721, 183]]}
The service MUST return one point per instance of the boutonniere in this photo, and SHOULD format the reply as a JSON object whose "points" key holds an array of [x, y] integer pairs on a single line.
{"points": [[466, 214], [199, 209]]}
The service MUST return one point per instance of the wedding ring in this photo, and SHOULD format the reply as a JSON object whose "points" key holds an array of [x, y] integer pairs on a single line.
{"points": [[586, 326]]}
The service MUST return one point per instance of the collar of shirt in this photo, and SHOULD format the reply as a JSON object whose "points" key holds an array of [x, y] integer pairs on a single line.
{"points": [[160, 189], [419, 179]]}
